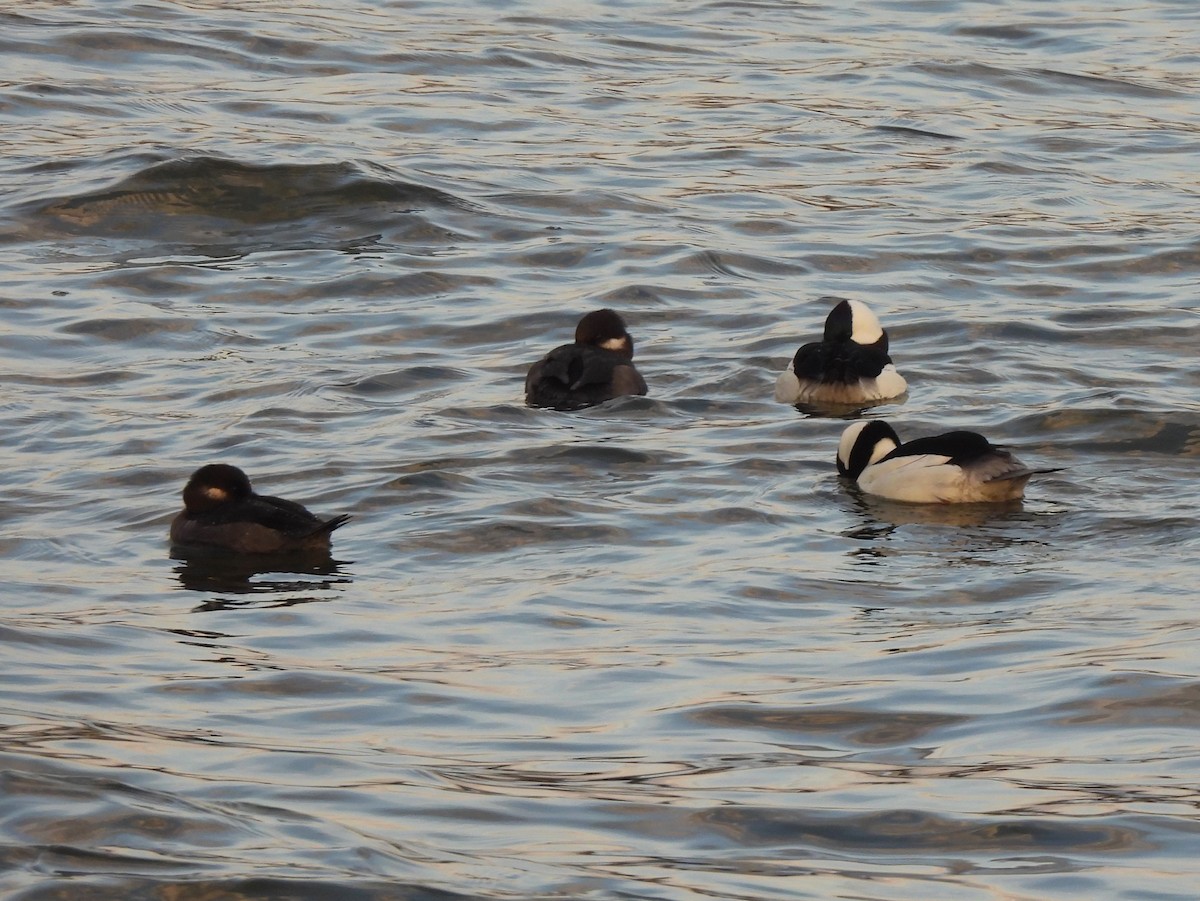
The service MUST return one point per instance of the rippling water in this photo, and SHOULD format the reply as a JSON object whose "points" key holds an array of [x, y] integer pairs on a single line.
{"points": [[648, 650]]}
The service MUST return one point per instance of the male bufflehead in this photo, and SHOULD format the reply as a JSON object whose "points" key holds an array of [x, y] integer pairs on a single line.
{"points": [[849, 365], [597, 367], [222, 511], [954, 468]]}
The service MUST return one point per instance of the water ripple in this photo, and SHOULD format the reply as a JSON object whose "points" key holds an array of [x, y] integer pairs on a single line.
{"points": [[651, 649]]}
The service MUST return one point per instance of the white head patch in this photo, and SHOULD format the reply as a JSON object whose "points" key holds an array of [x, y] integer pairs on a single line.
{"points": [[615, 344], [848, 438], [865, 327], [882, 448]]}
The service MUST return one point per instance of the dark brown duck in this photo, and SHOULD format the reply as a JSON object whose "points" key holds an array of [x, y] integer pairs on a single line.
{"points": [[597, 367], [222, 511]]}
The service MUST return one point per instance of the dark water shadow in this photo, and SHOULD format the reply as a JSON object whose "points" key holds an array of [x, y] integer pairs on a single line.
{"points": [[289, 578], [847, 728], [916, 831], [1132, 701], [262, 888]]}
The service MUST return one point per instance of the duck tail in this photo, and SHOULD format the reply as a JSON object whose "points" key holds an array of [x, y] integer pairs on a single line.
{"points": [[1023, 474], [329, 525]]}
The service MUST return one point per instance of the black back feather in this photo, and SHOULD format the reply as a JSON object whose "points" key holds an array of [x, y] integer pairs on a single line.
{"points": [[841, 363], [962, 447], [583, 374]]}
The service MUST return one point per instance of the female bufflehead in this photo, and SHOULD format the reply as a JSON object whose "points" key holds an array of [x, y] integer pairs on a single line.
{"points": [[222, 511], [850, 365], [954, 468], [597, 367]]}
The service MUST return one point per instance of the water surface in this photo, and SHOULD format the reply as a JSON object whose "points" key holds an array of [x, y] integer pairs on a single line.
{"points": [[649, 650]]}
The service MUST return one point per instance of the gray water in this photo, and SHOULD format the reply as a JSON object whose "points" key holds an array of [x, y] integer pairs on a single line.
{"points": [[651, 650]]}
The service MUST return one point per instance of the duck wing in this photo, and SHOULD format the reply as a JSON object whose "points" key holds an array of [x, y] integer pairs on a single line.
{"points": [[574, 376], [289, 517], [979, 459], [839, 361]]}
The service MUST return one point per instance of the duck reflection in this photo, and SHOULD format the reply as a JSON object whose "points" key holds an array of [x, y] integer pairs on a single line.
{"points": [[885, 515], [848, 412], [264, 580], [888, 528]]}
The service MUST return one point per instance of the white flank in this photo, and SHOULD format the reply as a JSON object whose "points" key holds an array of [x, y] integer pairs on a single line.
{"points": [[889, 383], [787, 387], [926, 479], [931, 479]]}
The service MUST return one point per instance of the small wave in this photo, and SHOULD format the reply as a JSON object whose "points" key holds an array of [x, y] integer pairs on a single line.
{"points": [[210, 188]]}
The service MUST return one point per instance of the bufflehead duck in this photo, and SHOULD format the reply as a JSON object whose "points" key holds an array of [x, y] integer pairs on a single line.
{"points": [[597, 367], [954, 468], [849, 365], [222, 511]]}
